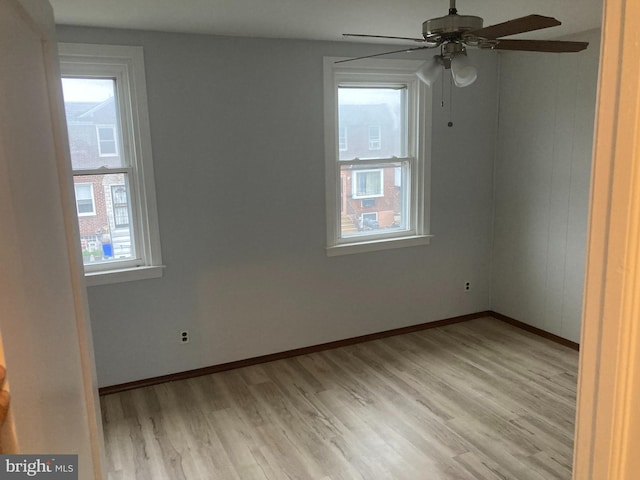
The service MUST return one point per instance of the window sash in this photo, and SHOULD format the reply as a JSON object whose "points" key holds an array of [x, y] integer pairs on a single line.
{"points": [[123, 131], [137, 258], [409, 228]]}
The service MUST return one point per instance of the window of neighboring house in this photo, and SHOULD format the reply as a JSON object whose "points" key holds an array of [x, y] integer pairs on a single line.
{"points": [[342, 138], [375, 137], [368, 183], [376, 98], [120, 206], [85, 202], [110, 144], [107, 144], [370, 220], [368, 203]]}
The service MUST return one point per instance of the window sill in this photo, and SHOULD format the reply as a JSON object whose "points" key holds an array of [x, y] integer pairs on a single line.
{"points": [[125, 275], [375, 245]]}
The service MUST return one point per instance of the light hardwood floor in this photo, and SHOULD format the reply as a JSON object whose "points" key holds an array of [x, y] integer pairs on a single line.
{"points": [[475, 400]]}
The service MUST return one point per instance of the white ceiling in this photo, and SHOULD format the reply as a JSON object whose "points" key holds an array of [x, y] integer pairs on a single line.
{"points": [[315, 19]]}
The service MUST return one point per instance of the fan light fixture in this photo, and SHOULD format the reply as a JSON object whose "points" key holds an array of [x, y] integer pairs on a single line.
{"points": [[463, 73], [429, 71]]}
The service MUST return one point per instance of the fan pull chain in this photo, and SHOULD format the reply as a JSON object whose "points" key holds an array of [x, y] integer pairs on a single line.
{"points": [[442, 103], [450, 124]]}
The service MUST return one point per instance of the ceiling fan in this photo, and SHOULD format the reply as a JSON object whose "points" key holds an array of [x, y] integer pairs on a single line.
{"points": [[453, 33]]}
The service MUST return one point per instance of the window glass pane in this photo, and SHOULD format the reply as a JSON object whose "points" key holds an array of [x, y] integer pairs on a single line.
{"points": [[92, 121], [375, 119], [373, 200], [106, 235]]}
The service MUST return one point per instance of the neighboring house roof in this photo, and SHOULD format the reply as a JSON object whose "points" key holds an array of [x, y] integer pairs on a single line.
{"points": [[74, 110], [107, 103], [83, 111]]}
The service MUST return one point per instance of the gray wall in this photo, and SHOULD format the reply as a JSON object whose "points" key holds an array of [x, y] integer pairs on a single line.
{"points": [[543, 164], [237, 131]]}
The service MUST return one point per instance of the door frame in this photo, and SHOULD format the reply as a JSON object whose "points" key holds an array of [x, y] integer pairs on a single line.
{"points": [[607, 439]]}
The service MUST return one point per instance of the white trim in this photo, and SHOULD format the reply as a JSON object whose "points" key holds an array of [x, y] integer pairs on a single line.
{"points": [[107, 277], [384, 73], [376, 245], [126, 65]]}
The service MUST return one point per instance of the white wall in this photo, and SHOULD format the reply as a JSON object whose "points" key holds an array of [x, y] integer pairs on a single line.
{"points": [[237, 131], [542, 175]]}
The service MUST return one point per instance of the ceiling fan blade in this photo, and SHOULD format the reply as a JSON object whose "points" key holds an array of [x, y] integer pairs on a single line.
{"points": [[557, 46], [385, 53], [383, 36], [517, 25]]}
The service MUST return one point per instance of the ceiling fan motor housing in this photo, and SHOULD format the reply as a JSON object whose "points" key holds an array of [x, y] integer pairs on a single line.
{"points": [[450, 26]]}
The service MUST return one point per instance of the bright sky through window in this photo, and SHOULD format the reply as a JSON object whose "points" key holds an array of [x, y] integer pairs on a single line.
{"points": [[87, 89]]}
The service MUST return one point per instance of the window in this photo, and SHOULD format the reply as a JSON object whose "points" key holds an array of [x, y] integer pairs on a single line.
{"points": [[109, 141], [375, 137], [376, 191], [107, 145], [85, 202], [368, 183], [369, 220]]}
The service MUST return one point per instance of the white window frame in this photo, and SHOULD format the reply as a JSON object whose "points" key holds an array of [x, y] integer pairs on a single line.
{"points": [[115, 138], [382, 73], [354, 180], [126, 65], [93, 200], [375, 142]]}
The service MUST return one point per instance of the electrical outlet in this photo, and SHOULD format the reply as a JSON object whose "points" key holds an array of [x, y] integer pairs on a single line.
{"points": [[467, 286], [184, 336]]}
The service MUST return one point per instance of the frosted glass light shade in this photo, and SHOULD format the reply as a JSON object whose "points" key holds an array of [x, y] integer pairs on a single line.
{"points": [[429, 72], [464, 74]]}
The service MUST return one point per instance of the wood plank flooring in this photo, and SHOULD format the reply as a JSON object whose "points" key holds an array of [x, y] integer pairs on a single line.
{"points": [[471, 401]]}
